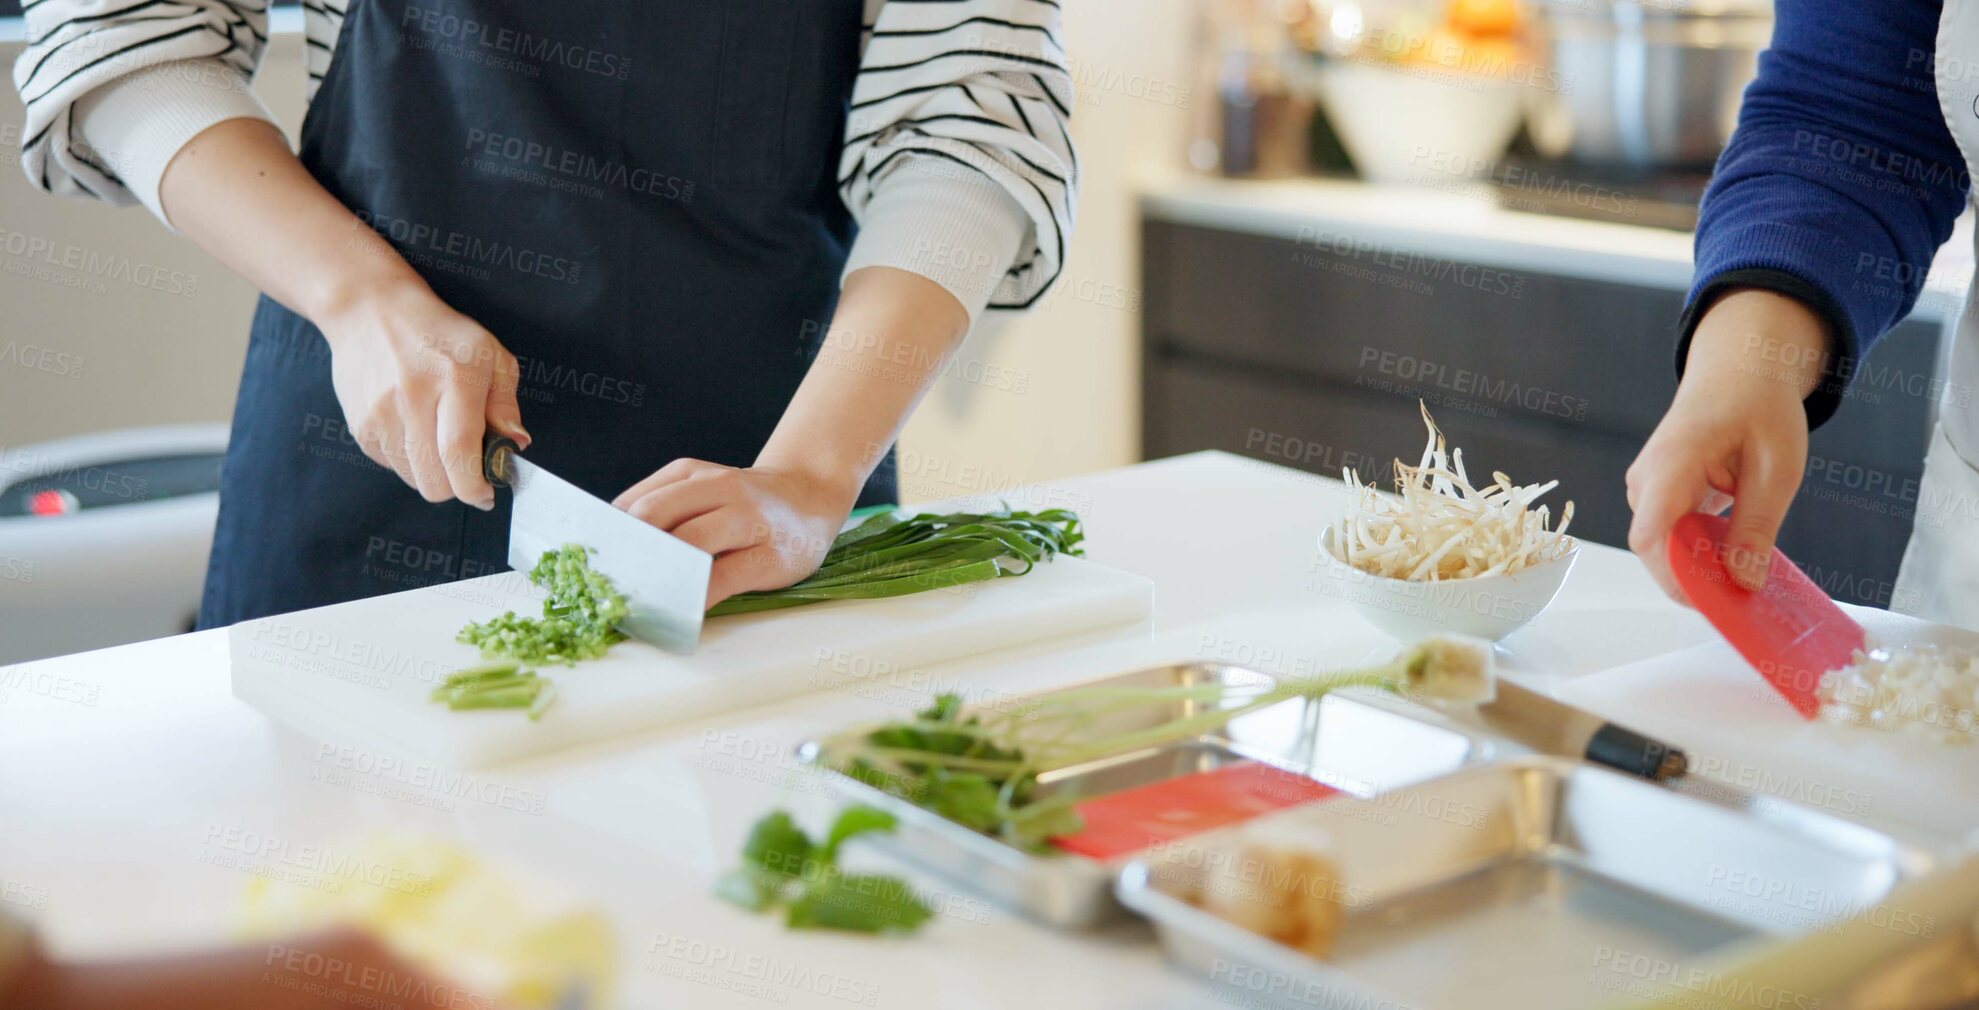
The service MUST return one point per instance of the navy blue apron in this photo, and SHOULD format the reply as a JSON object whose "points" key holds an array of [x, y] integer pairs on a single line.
{"points": [[636, 198]]}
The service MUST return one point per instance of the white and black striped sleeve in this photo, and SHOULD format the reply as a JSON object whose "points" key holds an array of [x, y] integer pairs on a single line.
{"points": [[114, 88], [958, 159], [322, 24]]}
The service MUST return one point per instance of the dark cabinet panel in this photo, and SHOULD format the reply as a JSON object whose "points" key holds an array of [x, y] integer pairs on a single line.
{"points": [[1378, 318], [1313, 353]]}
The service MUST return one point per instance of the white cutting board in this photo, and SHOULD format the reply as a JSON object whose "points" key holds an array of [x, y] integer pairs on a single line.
{"points": [[359, 674], [1736, 729]]}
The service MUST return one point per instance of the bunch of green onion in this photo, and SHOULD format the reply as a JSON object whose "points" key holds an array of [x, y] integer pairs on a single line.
{"points": [[894, 555]]}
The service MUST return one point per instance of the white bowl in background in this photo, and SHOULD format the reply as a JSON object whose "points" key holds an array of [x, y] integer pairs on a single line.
{"points": [[1418, 124], [1488, 607]]}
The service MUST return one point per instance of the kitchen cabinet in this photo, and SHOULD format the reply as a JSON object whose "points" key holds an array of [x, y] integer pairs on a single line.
{"points": [[1311, 349]]}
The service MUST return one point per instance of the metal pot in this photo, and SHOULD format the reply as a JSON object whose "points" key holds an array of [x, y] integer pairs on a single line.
{"points": [[1645, 84]]}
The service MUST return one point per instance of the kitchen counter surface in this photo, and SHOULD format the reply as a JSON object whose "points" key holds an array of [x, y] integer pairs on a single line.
{"points": [[128, 771], [1461, 220]]}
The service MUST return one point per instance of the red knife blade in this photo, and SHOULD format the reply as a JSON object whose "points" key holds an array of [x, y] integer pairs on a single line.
{"points": [[1790, 631]]}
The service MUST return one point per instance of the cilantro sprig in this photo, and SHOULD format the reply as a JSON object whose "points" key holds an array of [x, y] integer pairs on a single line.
{"points": [[926, 760], [781, 866]]}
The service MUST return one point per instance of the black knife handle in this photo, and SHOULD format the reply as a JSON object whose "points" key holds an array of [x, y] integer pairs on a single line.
{"points": [[1629, 751], [496, 453]]}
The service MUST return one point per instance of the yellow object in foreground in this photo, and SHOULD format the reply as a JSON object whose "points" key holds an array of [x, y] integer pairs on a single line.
{"points": [[448, 912]]}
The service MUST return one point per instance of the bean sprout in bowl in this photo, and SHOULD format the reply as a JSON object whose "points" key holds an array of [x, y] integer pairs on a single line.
{"points": [[1484, 606], [1446, 553]]}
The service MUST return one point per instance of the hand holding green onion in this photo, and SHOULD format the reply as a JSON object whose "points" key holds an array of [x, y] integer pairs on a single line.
{"points": [[891, 555]]}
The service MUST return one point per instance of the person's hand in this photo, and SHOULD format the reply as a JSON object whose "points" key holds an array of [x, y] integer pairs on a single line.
{"points": [[767, 527], [419, 383], [1735, 434], [329, 971]]}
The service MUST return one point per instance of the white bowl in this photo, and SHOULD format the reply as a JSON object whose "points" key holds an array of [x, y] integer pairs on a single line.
{"points": [[1488, 607], [1418, 125]]}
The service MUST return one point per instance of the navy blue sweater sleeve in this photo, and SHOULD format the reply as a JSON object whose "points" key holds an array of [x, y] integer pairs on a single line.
{"points": [[1842, 179]]}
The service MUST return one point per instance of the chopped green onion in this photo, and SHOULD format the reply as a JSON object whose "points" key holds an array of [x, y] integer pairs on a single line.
{"points": [[579, 614], [544, 699], [521, 696], [482, 671], [496, 685]]}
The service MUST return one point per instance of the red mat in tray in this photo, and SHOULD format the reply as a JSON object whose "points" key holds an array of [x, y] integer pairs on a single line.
{"points": [[1135, 819]]}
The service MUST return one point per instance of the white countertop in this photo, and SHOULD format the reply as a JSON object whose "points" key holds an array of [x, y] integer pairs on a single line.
{"points": [[117, 766], [1463, 221]]}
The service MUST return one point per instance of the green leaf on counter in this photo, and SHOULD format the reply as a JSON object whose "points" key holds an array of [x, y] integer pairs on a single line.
{"points": [[858, 903], [751, 887], [780, 865], [777, 845], [853, 821]]}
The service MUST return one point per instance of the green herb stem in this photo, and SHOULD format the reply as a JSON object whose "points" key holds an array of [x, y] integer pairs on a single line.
{"points": [[1189, 727], [981, 769], [887, 556], [509, 697], [483, 671]]}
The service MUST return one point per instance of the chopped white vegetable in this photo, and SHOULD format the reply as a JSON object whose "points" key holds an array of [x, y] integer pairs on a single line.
{"points": [[1454, 668], [1924, 691], [1437, 526]]}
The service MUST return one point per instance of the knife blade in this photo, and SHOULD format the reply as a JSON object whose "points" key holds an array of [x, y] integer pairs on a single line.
{"points": [[664, 578], [1554, 727]]}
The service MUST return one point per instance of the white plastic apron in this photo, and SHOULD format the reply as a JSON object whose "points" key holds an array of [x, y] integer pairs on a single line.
{"points": [[1939, 580]]}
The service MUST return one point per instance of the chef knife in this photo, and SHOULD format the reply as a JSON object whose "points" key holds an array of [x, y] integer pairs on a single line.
{"points": [[1790, 631], [664, 579], [1553, 727]]}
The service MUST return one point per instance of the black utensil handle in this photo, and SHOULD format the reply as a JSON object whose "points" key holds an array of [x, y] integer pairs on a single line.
{"points": [[496, 452], [1629, 751]]}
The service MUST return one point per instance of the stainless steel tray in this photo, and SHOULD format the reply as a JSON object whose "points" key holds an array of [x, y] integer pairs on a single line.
{"points": [[1530, 883], [1358, 742]]}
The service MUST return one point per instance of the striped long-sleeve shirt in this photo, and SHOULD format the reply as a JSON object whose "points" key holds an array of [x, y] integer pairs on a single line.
{"points": [[957, 137]]}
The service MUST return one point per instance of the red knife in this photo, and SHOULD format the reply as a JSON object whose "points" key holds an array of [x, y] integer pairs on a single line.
{"points": [[1790, 631]]}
